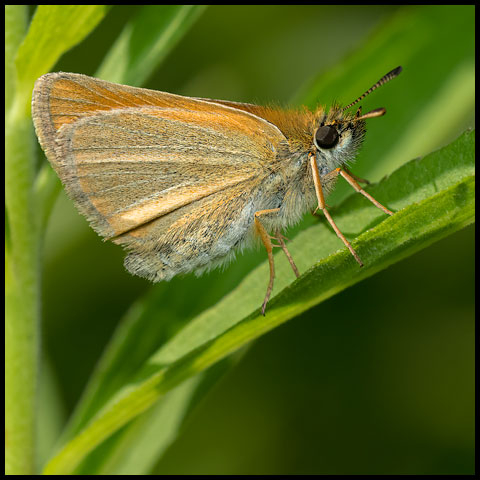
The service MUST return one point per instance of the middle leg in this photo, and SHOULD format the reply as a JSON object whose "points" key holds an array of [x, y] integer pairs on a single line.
{"points": [[267, 242]]}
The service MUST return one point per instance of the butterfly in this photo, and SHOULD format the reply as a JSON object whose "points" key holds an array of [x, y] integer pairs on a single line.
{"points": [[183, 182]]}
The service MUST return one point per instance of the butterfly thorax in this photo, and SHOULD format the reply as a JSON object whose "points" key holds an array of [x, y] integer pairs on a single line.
{"points": [[290, 187]]}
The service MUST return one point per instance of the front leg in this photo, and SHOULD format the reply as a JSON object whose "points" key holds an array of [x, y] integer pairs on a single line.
{"points": [[323, 207], [352, 180]]}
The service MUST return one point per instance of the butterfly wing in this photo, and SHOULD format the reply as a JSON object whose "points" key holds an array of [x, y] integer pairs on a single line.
{"points": [[145, 167]]}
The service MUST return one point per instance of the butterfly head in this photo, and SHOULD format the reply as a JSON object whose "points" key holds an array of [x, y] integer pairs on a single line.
{"points": [[340, 133]]}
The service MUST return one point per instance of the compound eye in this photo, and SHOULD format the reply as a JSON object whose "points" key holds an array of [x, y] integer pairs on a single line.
{"points": [[326, 137]]}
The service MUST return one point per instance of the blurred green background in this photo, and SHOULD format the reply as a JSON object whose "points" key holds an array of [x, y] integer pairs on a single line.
{"points": [[379, 379]]}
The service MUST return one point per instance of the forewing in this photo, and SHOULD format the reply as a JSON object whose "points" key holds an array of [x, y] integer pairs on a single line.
{"points": [[297, 124], [64, 98]]}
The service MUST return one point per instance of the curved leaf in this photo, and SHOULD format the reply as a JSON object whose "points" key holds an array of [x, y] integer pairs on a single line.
{"points": [[433, 196]]}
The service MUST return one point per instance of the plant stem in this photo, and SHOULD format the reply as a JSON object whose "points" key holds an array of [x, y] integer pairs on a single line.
{"points": [[22, 270]]}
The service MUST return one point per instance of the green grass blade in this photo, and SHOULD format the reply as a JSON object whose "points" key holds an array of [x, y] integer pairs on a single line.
{"points": [[433, 197], [139, 446], [145, 41]]}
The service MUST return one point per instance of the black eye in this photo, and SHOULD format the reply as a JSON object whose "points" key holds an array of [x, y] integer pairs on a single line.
{"points": [[326, 137]]}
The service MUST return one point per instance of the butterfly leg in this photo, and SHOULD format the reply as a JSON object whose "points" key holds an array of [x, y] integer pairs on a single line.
{"points": [[269, 246], [351, 180], [280, 238], [322, 205], [358, 179]]}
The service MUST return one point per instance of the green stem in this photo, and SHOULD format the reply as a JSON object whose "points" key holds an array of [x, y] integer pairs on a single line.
{"points": [[22, 270], [22, 289]]}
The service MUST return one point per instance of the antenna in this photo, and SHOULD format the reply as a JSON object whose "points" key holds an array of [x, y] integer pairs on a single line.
{"points": [[386, 78]]}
